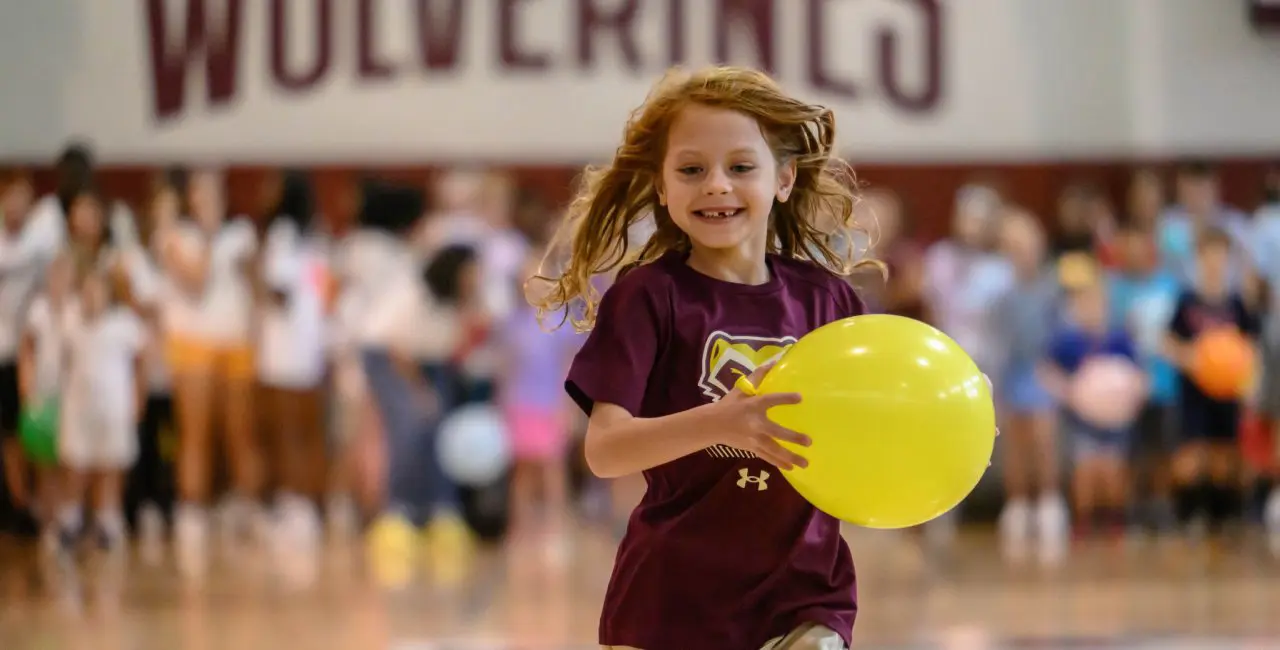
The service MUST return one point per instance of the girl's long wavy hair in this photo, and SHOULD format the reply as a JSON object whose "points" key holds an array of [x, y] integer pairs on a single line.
{"points": [[815, 224]]}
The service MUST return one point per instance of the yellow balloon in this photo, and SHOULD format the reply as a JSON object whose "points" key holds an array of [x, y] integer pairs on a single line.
{"points": [[901, 419]]}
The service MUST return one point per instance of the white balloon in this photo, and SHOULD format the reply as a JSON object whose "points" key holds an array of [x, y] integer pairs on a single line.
{"points": [[473, 445]]}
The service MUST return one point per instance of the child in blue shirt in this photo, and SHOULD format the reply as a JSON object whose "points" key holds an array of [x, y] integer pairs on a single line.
{"points": [[1100, 454], [1144, 295], [1024, 318]]}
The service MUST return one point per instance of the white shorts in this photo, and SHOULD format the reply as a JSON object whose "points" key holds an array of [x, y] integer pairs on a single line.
{"points": [[95, 439], [280, 367], [290, 354]]}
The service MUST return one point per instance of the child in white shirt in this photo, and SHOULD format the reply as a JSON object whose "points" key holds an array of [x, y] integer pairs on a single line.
{"points": [[41, 356], [102, 399], [292, 369]]}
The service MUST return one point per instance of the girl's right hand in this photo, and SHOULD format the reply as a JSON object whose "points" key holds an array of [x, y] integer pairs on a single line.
{"points": [[743, 418]]}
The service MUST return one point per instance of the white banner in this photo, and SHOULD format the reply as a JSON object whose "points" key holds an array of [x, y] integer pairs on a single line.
{"points": [[553, 80]]}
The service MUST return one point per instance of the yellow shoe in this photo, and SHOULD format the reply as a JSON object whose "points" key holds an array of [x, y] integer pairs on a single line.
{"points": [[450, 546], [390, 549]]}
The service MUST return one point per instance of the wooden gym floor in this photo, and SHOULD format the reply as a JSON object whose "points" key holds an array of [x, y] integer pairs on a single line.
{"points": [[1107, 595]]}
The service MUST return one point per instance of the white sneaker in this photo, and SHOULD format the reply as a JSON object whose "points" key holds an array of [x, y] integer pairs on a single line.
{"points": [[1053, 528], [190, 539], [150, 522], [243, 520], [1015, 529], [342, 516], [109, 529], [297, 525]]}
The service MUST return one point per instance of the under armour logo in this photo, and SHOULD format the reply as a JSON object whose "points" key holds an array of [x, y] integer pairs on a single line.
{"points": [[748, 479]]}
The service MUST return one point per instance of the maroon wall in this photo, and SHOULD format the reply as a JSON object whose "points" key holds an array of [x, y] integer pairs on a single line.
{"points": [[927, 189]]}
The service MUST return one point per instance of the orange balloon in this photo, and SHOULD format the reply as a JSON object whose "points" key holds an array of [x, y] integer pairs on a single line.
{"points": [[1223, 363]]}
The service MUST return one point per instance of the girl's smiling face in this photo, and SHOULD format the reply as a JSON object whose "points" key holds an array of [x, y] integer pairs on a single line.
{"points": [[720, 179]]}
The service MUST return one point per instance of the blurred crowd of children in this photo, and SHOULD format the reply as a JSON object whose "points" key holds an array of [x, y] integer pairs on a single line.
{"points": [[1096, 337], [194, 369]]}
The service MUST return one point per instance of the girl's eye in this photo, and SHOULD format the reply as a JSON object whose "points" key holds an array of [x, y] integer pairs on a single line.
{"points": [[742, 169], [689, 171]]}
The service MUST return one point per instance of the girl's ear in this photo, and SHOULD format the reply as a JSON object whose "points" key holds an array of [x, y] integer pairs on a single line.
{"points": [[786, 180], [662, 195]]}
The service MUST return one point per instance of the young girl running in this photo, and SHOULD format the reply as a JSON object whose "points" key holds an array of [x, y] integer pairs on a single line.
{"points": [[721, 552]]}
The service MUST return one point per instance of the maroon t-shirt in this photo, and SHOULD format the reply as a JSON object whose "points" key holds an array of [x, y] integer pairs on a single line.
{"points": [[721, 552]]}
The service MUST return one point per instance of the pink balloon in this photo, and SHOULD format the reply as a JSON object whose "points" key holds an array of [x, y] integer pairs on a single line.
{"points": [[1108, 392]]}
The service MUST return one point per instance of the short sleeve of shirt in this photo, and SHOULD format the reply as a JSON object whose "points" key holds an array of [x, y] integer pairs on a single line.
{"points": [[1180, 324], [615, 361], [1061, 351], [1125, 345], [848, 302]]}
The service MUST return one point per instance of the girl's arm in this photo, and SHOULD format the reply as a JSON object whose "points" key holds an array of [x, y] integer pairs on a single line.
{"points": [[407, 367], [1129, 350], [1177, 351], [125, 271], [149, 312], [609, 378], [143, 280], [27, 368], [1054, 379], [140, 383], [1051, 373], [271, 264], [619, 444], [122, 282]]}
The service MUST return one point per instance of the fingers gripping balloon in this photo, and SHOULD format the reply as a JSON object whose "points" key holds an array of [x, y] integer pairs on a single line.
{"points": [[901, 419]]}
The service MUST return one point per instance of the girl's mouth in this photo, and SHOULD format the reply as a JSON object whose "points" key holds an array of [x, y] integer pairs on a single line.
{"points": [[718, 214]]}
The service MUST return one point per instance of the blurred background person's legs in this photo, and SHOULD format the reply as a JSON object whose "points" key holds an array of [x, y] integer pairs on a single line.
{"points": [[291, 360]]}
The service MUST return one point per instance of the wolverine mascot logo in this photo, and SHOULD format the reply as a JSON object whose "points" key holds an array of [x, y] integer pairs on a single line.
{"points": [[725, 358]]}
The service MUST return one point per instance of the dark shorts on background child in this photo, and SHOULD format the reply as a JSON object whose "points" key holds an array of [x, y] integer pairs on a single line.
{"points": [[1088, 441], [1208, 420], [1155, 434]]}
